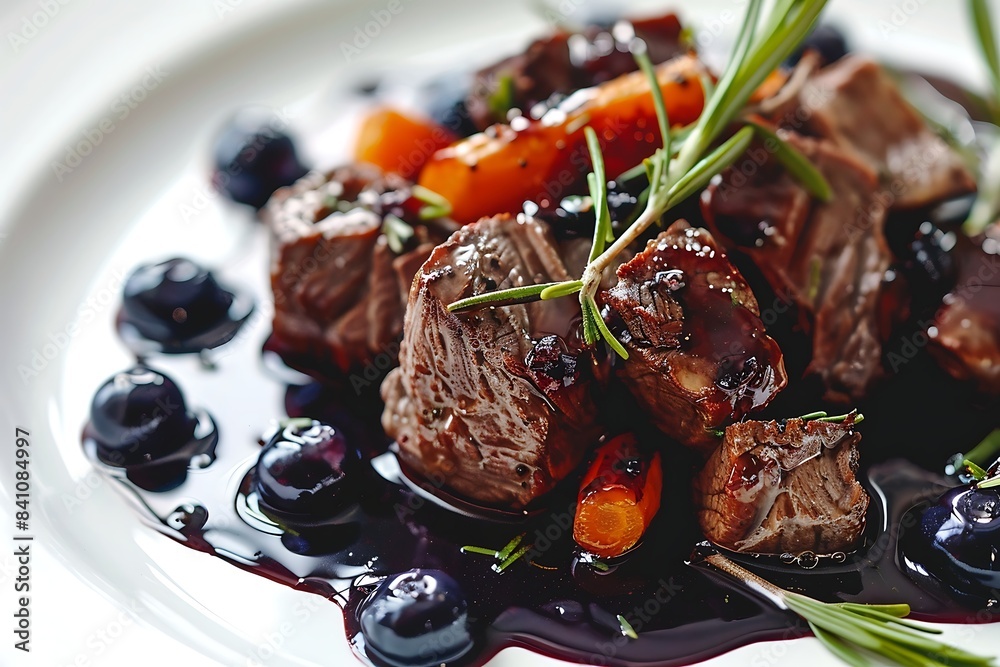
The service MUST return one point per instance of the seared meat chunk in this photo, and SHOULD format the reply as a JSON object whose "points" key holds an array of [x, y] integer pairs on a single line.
{"points": [[566, 62], [497, 402], [965, 334], [855, 104], [699, 356], [826, 258], [339, 288], [783, 487]]}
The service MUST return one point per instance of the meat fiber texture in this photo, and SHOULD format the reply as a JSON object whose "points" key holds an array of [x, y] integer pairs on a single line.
{"points": [[783, 487], [827, 258], [339, 290], [699, 356], [497, 402], [856, 105]]}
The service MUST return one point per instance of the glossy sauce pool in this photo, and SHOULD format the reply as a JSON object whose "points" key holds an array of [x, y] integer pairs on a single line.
{"points": [[549, 601]]}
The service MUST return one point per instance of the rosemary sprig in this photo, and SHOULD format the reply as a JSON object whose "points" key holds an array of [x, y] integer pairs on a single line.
{"points": [[981, 457], [986, 451], [796, 163], [672, 179], [987, 204], [436, 206], [397, 233], [822, 416], [989, 483], [982, 21], [506, 556], [627, 629], [501, 100], [675, 177], [506, 297], [977, 473], [856, 632]]}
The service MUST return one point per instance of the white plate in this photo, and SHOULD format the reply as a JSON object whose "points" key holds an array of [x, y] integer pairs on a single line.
{"points": [[68, 237]]}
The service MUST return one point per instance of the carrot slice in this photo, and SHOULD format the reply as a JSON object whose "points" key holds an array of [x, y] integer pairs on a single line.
{"points": [[498, 170], [618, 498], [399, 143]]}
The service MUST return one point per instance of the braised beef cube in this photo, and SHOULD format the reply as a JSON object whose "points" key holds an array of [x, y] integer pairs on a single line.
{"points": [[783, 487], [699, 357], [566, 62], [965, 334], [856, 104], [339, 286], [826, 258], [498, 402]]}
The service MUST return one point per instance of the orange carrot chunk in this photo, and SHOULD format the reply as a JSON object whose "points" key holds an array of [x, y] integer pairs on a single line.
{"points": [[498, 170], [619, 497], [399, 143]]}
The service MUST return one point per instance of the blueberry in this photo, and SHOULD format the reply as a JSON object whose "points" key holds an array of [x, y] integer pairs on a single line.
{"points": [[308, 468], [139, 416], [930, 264], [177, 301], [574, 216], [827, 40], [253, 158], [418, 618], [956, 540]]}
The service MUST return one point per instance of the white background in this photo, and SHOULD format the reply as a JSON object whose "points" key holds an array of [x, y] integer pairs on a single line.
{"points": [[79, 57]]}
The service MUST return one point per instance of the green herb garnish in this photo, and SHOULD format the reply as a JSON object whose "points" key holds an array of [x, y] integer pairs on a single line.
{"points": [[857, 632], [977, 473], [627, 628], [501, 100], [822, 416], [987, 204], [435, 206], [761, 46], [296, 422], [987, 451], [797, 164], [397, 233], [990, 483], [506, 556], [505, 297]]}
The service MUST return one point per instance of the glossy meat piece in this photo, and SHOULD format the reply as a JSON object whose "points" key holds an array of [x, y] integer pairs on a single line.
{"points": [[339, 290], [826, 258], [855, 104], [965, 334], [565, 62], [496, 403], [783, 487], [699, 357]]}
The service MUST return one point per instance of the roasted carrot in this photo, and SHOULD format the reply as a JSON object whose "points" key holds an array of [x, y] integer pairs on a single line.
{"points": [[399, 143], [498, 170], [618, 498]]}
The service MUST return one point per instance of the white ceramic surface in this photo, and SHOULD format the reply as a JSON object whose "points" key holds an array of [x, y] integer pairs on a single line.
{"points": [[108, 590]]}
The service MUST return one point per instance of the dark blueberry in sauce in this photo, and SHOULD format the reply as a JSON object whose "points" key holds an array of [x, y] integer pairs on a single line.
{"points": [[139, 416], [417, 619], [956, 541], [550, 357], [308, 468], [573, 216], [825, 39], [929, 264], [179, 305], [253, 158], [444, 101]]}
